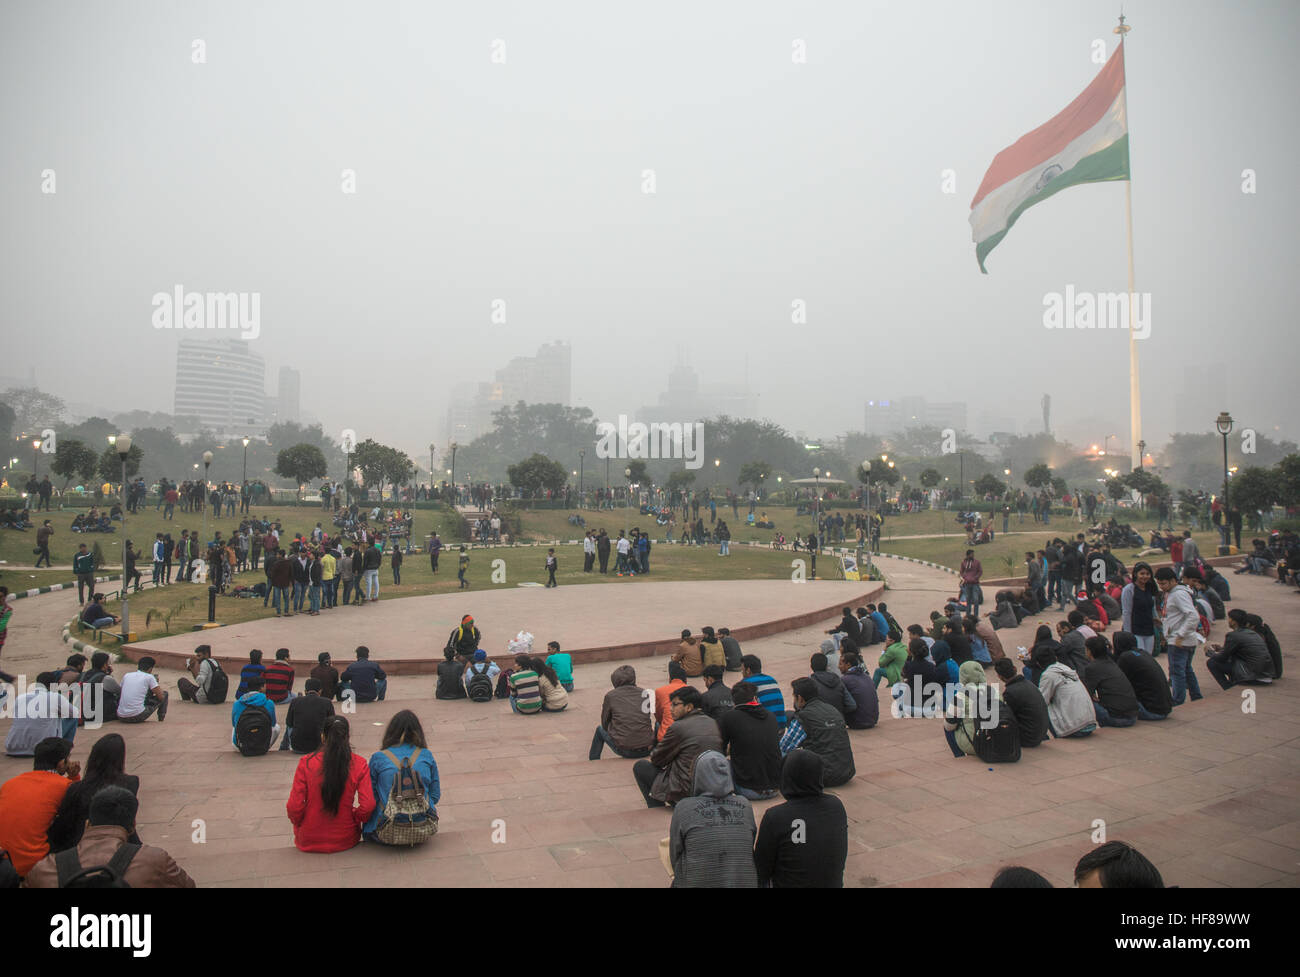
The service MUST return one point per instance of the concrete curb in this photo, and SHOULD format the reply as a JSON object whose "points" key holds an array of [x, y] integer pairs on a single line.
{"points": [[35, 591]]}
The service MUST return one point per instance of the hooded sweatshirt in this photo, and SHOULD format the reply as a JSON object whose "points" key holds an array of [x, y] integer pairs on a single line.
{"points": [[803, 843], [711, 840], [831, 688], [971, 705], [243, 702], [1069, 706]]}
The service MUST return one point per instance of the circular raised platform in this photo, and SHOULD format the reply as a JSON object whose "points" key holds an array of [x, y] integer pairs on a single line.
{"points": [[592, 623]]}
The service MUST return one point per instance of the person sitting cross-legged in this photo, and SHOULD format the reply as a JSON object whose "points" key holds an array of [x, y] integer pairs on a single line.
{"points": [[752, 737], [141, 696], [1026, 703], [1114, 701], [1150, 684], [711, 838], [803, 843], [332, 795], [403, 743], [820, 727], [306, 718], [665, 778], [106, 841]]}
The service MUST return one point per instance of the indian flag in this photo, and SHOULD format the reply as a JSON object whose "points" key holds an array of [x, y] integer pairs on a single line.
{"points": [[1086, 143]]}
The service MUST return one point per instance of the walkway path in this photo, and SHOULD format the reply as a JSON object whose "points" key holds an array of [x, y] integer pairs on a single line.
{"points": [[1211, 795]]}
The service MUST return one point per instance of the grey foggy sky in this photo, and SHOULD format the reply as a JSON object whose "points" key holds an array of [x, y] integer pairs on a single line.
{"points": [[522, 181]]}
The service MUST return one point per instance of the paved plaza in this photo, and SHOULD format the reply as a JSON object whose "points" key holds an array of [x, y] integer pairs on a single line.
{"points": [[1211, 796]]}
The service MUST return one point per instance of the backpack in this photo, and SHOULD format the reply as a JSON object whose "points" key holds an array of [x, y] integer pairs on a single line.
{"points": [[110, 876], [218, 684], [253, 731], [407, 818], [110, 700], [1001, 744], [479, 687]]}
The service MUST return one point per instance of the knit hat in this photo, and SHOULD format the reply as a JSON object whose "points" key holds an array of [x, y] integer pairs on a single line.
{"points": [[972, 673], [480, 655], [467, 619]]}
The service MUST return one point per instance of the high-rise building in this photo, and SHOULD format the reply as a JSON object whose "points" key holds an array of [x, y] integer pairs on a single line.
{"points": [[288, 406], [222, 382], [685, 400], [546, 378]]}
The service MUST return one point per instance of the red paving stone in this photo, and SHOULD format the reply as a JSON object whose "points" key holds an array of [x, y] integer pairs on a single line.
{"points": [[1210, 795]]}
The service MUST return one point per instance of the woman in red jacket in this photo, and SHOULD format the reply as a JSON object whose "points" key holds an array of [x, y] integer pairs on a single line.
{"points": [[324, 787]]}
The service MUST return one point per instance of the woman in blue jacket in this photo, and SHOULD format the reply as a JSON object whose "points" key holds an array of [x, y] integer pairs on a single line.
{"points": [[404, 738]]}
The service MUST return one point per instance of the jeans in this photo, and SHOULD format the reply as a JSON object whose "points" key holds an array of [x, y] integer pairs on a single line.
{"points": [[756, 795], [68, 728], [645, 562], [315, 598], [397, 576], [372, 585], [44, 555], [85, 583], [170, 511], [281, 594], [1054, 591], [331, 591], [602, 739], [1077, 734], [645, 773], [970, 594], [1146, 642], [299, 594], [877, 675], [1220, 667], [381, 690], [1104, 718], [1146, 714], [726, 548], [348, 585], [1182, 678], [103, 622]]}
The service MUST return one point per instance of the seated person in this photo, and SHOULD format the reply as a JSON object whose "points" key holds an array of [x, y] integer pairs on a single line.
{"points": [[364, 679], [1114, 701], [94, 615], [1243, 658], [451, 676], [1149, 681], [306, 718]]}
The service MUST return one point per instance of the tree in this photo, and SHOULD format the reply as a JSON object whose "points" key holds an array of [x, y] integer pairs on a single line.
{"points": [[930, 478], [300, 464], [1059, 486], [380, 464], [6, 423], [1254, 490], [537, 473], [753, 473], [1038, 476], [1148, 483], [1288, 480], [33, 409], [989, 485], [1116, 488], [680, 478], [110, 465], [72, 459]]}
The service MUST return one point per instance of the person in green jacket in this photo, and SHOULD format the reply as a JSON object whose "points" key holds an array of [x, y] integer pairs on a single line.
{"points": [[973, 703], [891, 661], [83, 565]]}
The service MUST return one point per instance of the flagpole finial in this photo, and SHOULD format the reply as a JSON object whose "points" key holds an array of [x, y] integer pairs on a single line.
{"points": [[1123, 28]]}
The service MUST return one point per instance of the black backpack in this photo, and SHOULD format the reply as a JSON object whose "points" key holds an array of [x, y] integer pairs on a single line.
{"points": [[253, 731], [110, 876], [479, 687], [1000, 743], [218, 685]]}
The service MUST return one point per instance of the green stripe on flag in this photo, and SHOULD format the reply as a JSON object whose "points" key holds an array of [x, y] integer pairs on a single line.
{"points": [[1108, 165]]}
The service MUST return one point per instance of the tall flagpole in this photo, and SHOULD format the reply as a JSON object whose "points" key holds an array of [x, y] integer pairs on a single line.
{"points": [[1134, 381]]}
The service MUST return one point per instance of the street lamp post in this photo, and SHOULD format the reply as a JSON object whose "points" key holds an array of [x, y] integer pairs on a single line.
{"points": [[582, 460], [36, 456], [454, 446], [1224, 425], [207, 463], [123, 445], [866, 468], [817, 499], [1142, 450], [627, 473], [246, 440], [431, 467]]}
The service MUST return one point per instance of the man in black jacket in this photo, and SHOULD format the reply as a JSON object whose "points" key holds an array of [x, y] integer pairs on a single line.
{"points": [[1150, 684], [848, 627], [830, 686], [602, 550], [803, 843], [820, 727], [717, 697], [1026, 703], [1114, 700], [752, 737]]}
